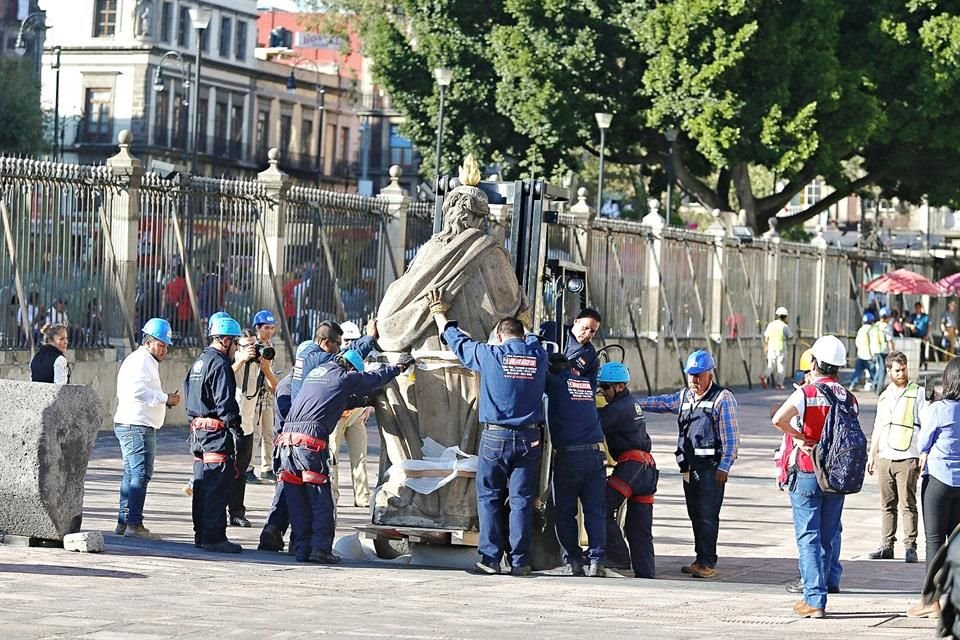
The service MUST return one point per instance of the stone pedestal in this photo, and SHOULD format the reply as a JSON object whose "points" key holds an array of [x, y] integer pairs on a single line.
{"points": [[47, 432]]}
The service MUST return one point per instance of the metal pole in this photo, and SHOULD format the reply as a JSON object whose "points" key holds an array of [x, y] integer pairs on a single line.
{"points": [[603, 141], [320, 107], [57, 150], [196, 103], [443, 91], [669, 185]]}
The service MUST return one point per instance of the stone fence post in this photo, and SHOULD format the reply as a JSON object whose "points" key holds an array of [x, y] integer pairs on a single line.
{"points": [[655, 222], [395, 241], [580, 239], [124, 217], [277, 185]]}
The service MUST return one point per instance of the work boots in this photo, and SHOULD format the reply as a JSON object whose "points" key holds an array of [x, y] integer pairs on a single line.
{"points": [[882, 553], [222, 547], [139, 531], [323, 557], [270, 539]]}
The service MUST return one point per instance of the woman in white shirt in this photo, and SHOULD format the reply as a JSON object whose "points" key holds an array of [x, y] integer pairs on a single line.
{"points": [[50, 363]]}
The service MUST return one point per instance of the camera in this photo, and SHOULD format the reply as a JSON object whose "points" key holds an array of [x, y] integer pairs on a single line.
{"points": [[265, 351]]}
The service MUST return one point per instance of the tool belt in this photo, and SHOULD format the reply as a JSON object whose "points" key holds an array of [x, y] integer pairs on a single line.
{"points": [[308, 477], [212, 458], [207, 424], [301, 440]]}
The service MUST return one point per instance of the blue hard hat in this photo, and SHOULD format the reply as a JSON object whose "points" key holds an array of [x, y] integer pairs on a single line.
{"points": [[614, 372], [869, 317], [217, 316], [698, 362], [353, 357], [884, 312], [227, 327], [160, 329], [263, 316], [303, 346]]}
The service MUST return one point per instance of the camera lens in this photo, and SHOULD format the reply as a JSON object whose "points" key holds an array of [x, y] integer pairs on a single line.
{"points": [[268, 353]]}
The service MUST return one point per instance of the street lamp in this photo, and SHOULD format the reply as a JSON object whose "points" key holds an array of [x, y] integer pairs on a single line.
{"points": [[20, 47], [200, 19], [444, 77], [319, 103], [671, 136], [57, 151], [158, 83], [603, 121]]}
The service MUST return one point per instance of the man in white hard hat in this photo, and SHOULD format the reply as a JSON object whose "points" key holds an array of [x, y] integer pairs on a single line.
{"points": [[775, 338], [351, 427]]}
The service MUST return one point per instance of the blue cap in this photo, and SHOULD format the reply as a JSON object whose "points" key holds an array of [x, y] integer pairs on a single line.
{"points": [[226, 327], [613, 372], [869, 317], [217, 316], [884, 312], [698, 362], [263, 316], [160, 329], [353, 357]]}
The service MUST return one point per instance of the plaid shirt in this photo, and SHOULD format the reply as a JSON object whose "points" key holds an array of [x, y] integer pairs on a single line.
{"points": [[724, 415]]}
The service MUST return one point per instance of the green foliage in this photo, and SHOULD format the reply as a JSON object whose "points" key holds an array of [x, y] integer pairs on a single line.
{"points": [[796, 234], [860, 92], [21, 120]]}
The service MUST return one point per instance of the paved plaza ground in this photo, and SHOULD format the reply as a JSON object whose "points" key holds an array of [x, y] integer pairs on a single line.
{"points": [[140, 590]]}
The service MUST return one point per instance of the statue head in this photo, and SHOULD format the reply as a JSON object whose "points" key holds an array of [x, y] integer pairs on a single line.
{"points": [[466, 206]]}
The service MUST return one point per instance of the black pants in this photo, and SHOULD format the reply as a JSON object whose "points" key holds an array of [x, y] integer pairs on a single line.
{"points": [[941, 512], [211, 486], [704, 499], [238, 488]]}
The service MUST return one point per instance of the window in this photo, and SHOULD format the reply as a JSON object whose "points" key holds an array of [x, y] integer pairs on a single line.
{"points": [[344, 145], [226, 30], [220, 127], [205, 39], [263, 117], [202, 127], [99, 108], [166, 22], [286, 127], [236, 127], [161, 136], [183, 28], [105, 18], [241, 50], [401, 149], [179, 129], [306, 134]]}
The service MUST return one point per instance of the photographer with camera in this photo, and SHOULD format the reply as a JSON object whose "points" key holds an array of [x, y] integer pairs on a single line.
{"points": [[265, 325], [256, 384]]}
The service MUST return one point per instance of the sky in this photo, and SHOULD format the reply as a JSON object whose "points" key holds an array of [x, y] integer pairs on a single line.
{"points": [[283, 5]]}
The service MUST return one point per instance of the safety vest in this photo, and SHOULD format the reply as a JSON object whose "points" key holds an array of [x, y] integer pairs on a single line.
{"points": [[776, 337], [878, 337], [902, 428], [699, 439]]}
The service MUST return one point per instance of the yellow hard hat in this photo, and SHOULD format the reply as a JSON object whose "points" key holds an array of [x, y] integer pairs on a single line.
{"points": [[806, 360]]}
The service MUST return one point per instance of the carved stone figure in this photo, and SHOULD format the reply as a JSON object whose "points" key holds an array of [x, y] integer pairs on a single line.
{"points": [[142, 18], [440, 402]]}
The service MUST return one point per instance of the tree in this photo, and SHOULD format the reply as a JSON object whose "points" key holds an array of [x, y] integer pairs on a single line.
{"points": [[860, 92], [21, 119]]}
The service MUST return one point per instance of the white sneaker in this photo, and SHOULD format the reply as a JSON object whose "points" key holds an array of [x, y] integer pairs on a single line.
{"points": [[868, 387]]}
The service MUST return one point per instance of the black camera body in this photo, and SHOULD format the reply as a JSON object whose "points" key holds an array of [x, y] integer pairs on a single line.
{"points": [[265, 351]]}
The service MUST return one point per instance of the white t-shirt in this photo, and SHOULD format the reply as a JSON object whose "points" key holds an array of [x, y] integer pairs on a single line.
{"points": [[140, 398]]}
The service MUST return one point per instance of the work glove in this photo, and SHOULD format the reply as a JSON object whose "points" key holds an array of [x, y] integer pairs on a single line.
{"points": [[437, 305], [405, 361]]}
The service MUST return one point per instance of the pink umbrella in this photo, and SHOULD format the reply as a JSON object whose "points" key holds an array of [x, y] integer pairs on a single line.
{"points": [[903, 281], [950, 284]]}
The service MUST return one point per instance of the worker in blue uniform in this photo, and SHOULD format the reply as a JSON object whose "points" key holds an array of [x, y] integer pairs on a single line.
{"points": [[578, 469], [579, 348], [633, 480], [304, 458], [326, 342], [211, 404], [512, 381]]}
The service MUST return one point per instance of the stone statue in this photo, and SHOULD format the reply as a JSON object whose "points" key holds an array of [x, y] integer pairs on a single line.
{"points": [[142, 18], [440, 402]]}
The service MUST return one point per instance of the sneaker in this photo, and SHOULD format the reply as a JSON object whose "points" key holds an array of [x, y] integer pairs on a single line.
{"points": [[139, 531], [268, 476], [804, 610], [486, 568], [931, 610], [188, 489], [910, 556], [121, 528], [794, 586], [363, 504], [688, 568], [882, 553], [240, 521], [323, 557], [521, 571], [223, 547], [596, 570], [270, 539], [573, 569], [698, 571]]}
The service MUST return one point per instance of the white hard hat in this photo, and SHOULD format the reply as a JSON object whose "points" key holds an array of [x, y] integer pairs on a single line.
{"points": [[350, 330], [829, 350], [781, 311]]}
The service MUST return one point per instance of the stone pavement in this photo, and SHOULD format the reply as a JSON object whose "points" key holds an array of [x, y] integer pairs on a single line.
{"points": [[169, 589]]}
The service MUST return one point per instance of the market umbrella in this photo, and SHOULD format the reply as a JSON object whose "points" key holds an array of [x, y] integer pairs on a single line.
{"points": [[903, 281], [950, 284]]}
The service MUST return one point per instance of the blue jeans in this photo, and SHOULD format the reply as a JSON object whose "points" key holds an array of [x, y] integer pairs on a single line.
{"points": [[880, 372], [138, 446], [578, 476], [508, 466], [704, 499], [816, 523], [862, 366]]}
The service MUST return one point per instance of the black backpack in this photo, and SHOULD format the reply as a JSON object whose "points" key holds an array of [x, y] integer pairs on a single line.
{"points": [[840, 458]]}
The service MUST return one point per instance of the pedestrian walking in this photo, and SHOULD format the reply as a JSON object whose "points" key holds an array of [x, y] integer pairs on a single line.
{"points": [[512, 382], [141, 408], [706, 450], [775, 338], [895, 457], [881, 344], [865, 360]]}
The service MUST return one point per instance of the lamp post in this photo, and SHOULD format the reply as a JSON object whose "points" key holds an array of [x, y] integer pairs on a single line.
{"points": [[318, 103], [20, 48], [603, 121], [671, 136], [159, 86], [200, 19], [444, 77], [57, 149]]}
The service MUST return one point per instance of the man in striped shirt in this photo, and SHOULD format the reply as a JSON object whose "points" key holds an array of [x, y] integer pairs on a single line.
{"points": [[706, 449]]}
